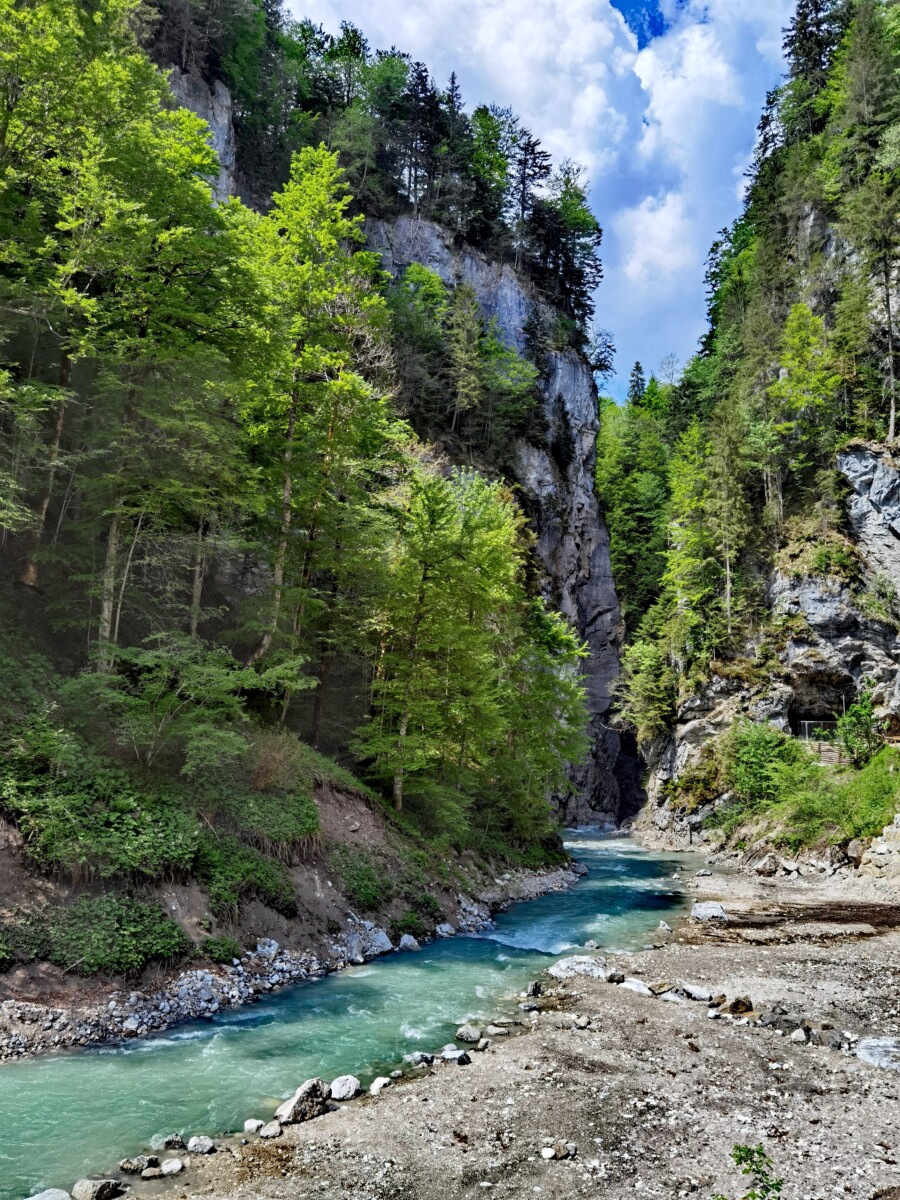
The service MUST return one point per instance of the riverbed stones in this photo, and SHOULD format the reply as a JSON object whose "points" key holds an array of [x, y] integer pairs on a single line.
{"points": [[460, 1057], [494, 1031], [578, 964], [172, 1166], [345, 1087], [694, 991], [270, 1130], [799, 1037], [469, 1034], [254, 1125], [445, 930], [152, 1173], [96, 1189], [310, 1100], [408, 942], [636, 985], [134, 1166], [709, 910], [201, 1144], [419, 1058]]}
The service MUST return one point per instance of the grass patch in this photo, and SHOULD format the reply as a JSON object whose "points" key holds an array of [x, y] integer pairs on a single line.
{"points": [[232, 872], [364, 880]]}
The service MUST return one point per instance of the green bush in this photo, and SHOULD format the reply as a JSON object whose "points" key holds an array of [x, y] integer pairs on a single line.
{"points": [[232, 872], [84, 817], [412, 923], [222, 949], [364, 881], [276, 822], [859, 733], [857, 805], [113, 933]]}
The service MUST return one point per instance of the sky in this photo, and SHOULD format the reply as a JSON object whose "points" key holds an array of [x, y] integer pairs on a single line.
{"points": [[658, 98]]}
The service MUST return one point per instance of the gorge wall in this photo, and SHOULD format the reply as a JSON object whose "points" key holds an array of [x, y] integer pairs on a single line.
{"points": [[555, 477]]}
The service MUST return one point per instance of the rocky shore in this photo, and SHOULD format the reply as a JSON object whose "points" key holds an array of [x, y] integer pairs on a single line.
{"points": [[634, 1074], [30, 1028]]}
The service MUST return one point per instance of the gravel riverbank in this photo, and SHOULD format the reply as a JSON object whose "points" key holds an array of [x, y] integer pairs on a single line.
{"points": [[625, 1090]]}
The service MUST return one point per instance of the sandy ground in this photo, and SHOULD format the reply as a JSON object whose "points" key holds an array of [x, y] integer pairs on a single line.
{"points": [[652, 1095]]}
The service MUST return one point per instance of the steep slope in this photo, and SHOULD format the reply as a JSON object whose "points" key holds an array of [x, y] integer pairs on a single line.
{"points": [[556, 478]]}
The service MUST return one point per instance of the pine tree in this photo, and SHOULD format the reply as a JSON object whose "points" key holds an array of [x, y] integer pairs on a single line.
{"points": [[637, 384]]}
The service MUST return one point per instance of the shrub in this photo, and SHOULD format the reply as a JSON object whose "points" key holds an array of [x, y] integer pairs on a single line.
{"points": [[222, 949], [232, 873], [756, 755], [364, 881], [413, 924], [114, 933], [276, 822], [755, 1163], [859, 732]]}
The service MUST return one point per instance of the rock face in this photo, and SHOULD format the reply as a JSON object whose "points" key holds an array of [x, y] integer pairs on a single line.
{"points": [[557, 481], [832, 648], [211, 102]]}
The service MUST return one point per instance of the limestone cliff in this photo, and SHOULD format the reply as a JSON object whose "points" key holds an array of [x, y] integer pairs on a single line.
{"points": [[556, 478], [832, 639], [213, 103]]}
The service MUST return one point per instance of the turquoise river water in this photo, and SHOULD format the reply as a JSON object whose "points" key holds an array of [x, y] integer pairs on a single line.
{"points": [[70, 1114]]}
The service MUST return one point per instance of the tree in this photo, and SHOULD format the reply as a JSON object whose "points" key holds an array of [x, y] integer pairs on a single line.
{"points": [[464, 331], [637, 384]]}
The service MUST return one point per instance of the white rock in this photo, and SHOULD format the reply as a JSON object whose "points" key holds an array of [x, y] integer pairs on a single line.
{"points": [[345, 1087], [694, 992], [547, 1152], [201, 1145], [408, 942], [310, 1100], [96, 1189], [445, 930], [799, 1036], [579, 964], [254, 1125], [271, 1130], [51, 1194], [636, 985], [709, 910], [379, 1084], [172, 1166], [468, 1033], [879, 1052]]}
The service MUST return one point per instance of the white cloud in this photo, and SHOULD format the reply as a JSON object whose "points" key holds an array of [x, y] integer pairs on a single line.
{"points": [[658, 240], [665, 132]]}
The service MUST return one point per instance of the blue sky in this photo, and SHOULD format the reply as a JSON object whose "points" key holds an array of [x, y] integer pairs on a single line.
{"points": [[659, 99]]}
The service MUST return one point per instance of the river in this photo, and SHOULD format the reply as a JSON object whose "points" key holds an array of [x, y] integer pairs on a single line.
{"points": [[71, 1114]]}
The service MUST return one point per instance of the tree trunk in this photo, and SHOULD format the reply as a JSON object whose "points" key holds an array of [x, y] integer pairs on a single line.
{"points": [[29, 576], [197, 577], [265, 642], [125, 573], [319, 702], [398, 770], [892, 420], [108, 593]]}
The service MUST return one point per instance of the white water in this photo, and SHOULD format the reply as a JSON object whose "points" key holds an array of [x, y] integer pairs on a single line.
{"points": [[67, 1115]]}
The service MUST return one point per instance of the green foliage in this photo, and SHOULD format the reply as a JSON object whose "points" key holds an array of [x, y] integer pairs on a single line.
{"points": [[859, 732], [364, 881], [757, 755], [232, 872], [647, 690], [222, 949], [412, 923], [755, 1163], [110, 933]]}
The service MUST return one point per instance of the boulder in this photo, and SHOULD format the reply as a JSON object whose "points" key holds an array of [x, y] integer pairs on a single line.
{"points": [[172, 1166], [535, 988], [378, 942], [709, 910], [152, 1173], [379, 1084], [496, 1031], [408, 942], [767, 866], [419, 1058], [201, 1145], [740, 1005], [694, 992], [345, 1087], [799, 1037], [636, 985], [445, 930], [271, 1130], [134, 1166], [468, 1033], [96, 1189], [460, 1057], [254, 1125], [174, 1142], [578, 964], [310, 1100]]}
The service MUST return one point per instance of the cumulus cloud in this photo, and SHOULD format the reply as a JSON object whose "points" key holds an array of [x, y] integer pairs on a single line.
{"points": [[666, 132]]}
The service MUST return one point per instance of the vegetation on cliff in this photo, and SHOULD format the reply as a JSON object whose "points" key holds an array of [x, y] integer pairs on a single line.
{"points": [[209, 494], [712, 481]]}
